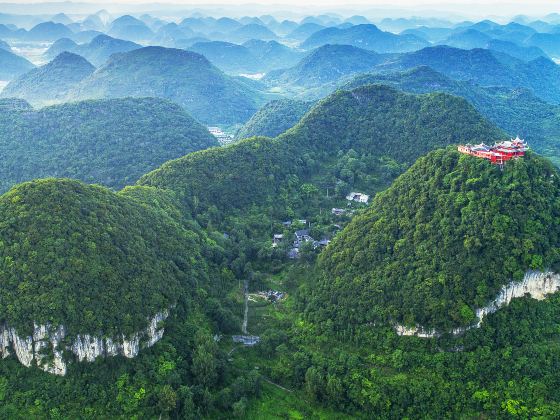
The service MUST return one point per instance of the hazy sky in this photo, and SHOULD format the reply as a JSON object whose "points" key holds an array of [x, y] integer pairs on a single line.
{"points": [[478, 8]]}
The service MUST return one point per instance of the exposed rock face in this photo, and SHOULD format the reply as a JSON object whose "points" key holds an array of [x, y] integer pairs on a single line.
{"points": [[535, 284], [47, 339]]}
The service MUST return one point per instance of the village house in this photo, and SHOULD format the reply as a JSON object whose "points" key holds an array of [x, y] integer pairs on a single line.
{"points": [[272, 295], [246, 340], [293, 253], [338, 212], [222, 137], [358, 197], [276, 239], [321, 243], [301, 236]]}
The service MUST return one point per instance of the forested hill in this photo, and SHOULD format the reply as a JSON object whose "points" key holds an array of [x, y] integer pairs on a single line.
{"points": [[516, 110], [51, 82], [184, 77], [488, 68], [12, 65], [274, 118], [440, 242], [89, 259], [111, 142], [326, 64], [384, 129]]}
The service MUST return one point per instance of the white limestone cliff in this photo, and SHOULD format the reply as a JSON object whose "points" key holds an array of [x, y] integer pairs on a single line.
{"points": [[46, 338], [536, 284]]}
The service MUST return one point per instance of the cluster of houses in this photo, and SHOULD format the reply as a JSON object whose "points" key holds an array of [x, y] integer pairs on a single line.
{"points": [[272, 295], [338, 212], [246, 340], [358, 197], [300, 237], [222, 137]]}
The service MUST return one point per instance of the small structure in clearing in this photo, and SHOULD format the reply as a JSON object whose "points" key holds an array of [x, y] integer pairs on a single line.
{"points": [[358, 197]]}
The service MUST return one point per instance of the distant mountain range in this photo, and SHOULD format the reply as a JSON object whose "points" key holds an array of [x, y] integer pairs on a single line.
{"points": [[12, 65], [51, 82], [326, 64], [186, 78], [368, 37], [97, 51], [486, 67], [518, 111]]}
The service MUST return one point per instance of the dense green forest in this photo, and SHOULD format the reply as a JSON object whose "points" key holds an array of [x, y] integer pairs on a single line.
{"points": [[12, 65], [274, 118], [86, 258], [353, 139], [518, 111], [244, 281], [505, 369], [51, 82], [488, 68], [200, 225], [326, 64], [365, 36], [111, 142], [184, 77], [440, 243]]}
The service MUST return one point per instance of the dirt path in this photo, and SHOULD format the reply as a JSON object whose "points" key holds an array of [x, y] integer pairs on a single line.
{"points": [[246, 297]]}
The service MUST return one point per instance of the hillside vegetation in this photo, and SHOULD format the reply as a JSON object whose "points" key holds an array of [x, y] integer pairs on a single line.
{"points": [[12, 65], [51, 82], [440, 242], [326, 64], [87, 258], [184, 77], [274, 118], [111, 142], [517, 110], [381, 128]]}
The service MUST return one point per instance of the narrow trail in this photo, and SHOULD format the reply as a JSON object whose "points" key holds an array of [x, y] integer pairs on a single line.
{"points": [[246, 296], [276, 385]]}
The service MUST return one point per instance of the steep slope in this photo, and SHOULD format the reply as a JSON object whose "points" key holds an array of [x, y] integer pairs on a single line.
{"points": [[514, 50], [518, 111], [547, 42], [100, 48], [272, 54], [378, 123], [467, 39], [48, 31], [441, 242], [184, 77], [112, 142], [228, 57], [5, 46], [274, 118], [12, 65], [326, 64], [251, 31], [368, 37], [51, 82], [130, 28], [487, 68], [82, 265], [303, 31], [59, 46]]}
